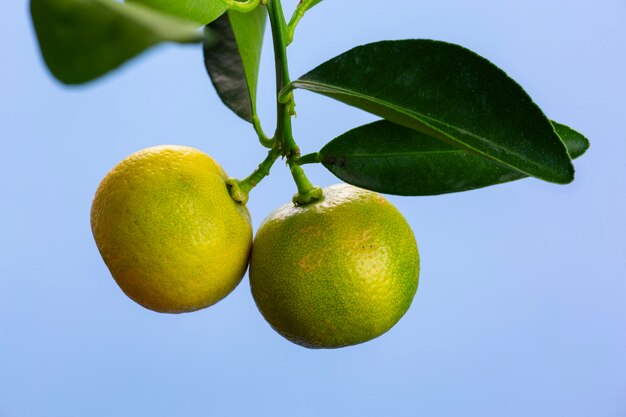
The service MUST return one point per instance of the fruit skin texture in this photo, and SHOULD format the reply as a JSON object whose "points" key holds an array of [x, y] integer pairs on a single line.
{"points": [[334, 273], [168, 230]]}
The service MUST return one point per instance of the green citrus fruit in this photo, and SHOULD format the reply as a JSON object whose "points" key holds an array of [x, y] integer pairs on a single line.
{"points": [[168, 230], [337, 272]]}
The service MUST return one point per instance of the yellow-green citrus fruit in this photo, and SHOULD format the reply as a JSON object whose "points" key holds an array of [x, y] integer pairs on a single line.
{"points": [[168, 230], [337, 272]]}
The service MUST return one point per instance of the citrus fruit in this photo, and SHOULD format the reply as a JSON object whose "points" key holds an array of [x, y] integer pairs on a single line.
{"points": [[337, 272], [168, 230]]}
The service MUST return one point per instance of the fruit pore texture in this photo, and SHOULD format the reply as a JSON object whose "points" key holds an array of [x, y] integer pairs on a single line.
{"points": [[168, 230], [334, 273]]}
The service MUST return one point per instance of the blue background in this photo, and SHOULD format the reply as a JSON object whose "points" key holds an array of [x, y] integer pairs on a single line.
{"points": [[521, 309]]}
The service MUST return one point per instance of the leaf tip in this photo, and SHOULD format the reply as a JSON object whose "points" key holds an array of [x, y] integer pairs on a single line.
{"points": [[584, 145], [566, 176]]}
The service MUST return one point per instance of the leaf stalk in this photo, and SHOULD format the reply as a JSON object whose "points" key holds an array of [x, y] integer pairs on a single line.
{"points": [[298, 14], [311, 158], [265, 140], [243, 6]]}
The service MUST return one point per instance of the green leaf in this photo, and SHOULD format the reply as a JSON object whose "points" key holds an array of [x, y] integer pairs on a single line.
{"points": [[393, 159], [83, 39], [233, 62], [201, 11], [450, 93]]}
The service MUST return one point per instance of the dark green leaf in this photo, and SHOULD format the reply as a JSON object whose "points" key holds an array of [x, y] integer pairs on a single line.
{"points": [[450, 93], [233, 62], [201, 11], [392, 159], [576, 143], [83, 39]]}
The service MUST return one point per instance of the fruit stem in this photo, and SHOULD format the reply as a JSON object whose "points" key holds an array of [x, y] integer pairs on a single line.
{"points": [[286, 106], [240, 190], [307, 192]]}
